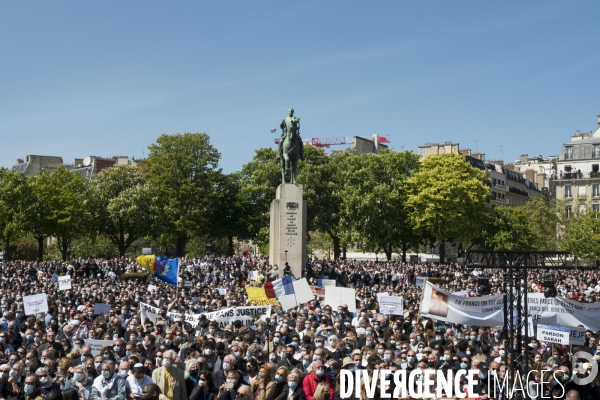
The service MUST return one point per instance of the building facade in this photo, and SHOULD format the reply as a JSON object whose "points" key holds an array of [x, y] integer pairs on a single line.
{"points": [[577, 181]]}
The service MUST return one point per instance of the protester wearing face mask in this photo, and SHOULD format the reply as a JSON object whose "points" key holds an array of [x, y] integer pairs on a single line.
{"points": [[263, 388], [229, 389], [80, 382], [108, 385], [191, 374], [205, 389], [312, 380], [169, 379], [289, 361], [30, 388]]}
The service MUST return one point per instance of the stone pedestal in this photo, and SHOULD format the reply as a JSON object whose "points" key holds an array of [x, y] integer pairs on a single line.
{"points": [[288, 229]]}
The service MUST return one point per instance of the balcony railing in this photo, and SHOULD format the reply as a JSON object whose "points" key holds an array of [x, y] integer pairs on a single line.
{"points": [[579, 175], [518, 191], [500, 199], [499, 186]]}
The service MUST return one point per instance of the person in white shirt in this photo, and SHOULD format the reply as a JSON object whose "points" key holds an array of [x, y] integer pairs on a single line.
{"points": [[136, 382]]}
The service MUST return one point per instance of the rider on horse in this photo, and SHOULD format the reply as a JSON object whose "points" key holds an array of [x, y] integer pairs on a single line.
{"points": [[290, 124]]}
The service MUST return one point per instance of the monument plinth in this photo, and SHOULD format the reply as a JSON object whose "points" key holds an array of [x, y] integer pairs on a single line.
{"points": [[288, 229]]}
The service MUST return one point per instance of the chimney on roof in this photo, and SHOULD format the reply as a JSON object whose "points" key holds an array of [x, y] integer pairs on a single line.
{"points": [[19, 161], [598, 120]]}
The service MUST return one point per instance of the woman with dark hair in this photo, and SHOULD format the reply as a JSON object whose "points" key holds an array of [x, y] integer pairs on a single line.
{"points": [[108, 353], [205, 390], [252, 370]]}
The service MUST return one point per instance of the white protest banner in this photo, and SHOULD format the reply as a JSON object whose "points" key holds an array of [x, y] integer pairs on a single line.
{"points": [[302, 291], [328, 282], [64, 282], [222, 291], [420, 282], [101, 309], [560, 311], [35, 304], [445, 306], [553, 334], [223, 317], [423, 259], [390, 304], [97, 345], [146, 250], [462, 293], [152, 288], [152, 313], [339, 296], [576, 336], [243, 314]]}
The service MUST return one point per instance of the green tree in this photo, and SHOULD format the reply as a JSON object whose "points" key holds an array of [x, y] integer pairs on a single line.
{"points": [[322, 176], [582, 236], [232, 213], [14, 193], [183, 170], [374, 199], [68, 215], [259, 180], [508, 229], [448, 198], [122, 205], [542, 219], [39, 215]]}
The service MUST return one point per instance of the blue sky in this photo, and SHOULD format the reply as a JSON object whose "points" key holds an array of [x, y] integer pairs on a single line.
{"points": [[107, 78]]}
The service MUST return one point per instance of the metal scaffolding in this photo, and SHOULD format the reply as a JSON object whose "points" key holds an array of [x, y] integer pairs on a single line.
{"points": [[515, 265]]}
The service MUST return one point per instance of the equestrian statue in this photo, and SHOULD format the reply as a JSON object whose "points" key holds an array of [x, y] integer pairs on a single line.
{"points": [[291, 147]]}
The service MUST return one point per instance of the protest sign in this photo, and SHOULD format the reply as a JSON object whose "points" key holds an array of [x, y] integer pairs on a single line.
{"points": [[327, 282], [253, 275], [288, 301], [257, 296], [302, 291], [101, 309], [576, 335], [420, 281], [222, 291], [35, 304], [390, 304], [223, 317], [97, 345], [146, 250], [152, 287], [553, 334], [317, 291], [242, 314], [64, 282], [338, 296], [188, 284], [445, 306], [560, 311], [54, 277]]}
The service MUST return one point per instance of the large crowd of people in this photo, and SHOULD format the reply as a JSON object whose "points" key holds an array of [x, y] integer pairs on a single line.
{"points": [[294, 355]]}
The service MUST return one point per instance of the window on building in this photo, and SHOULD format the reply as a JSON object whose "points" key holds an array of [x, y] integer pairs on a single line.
{"points": [[568, 153], [581, 191], [595, 167], [567, 191], [596, 151], [596, 190], [581, 209], [568, 211], [596, 207]]}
